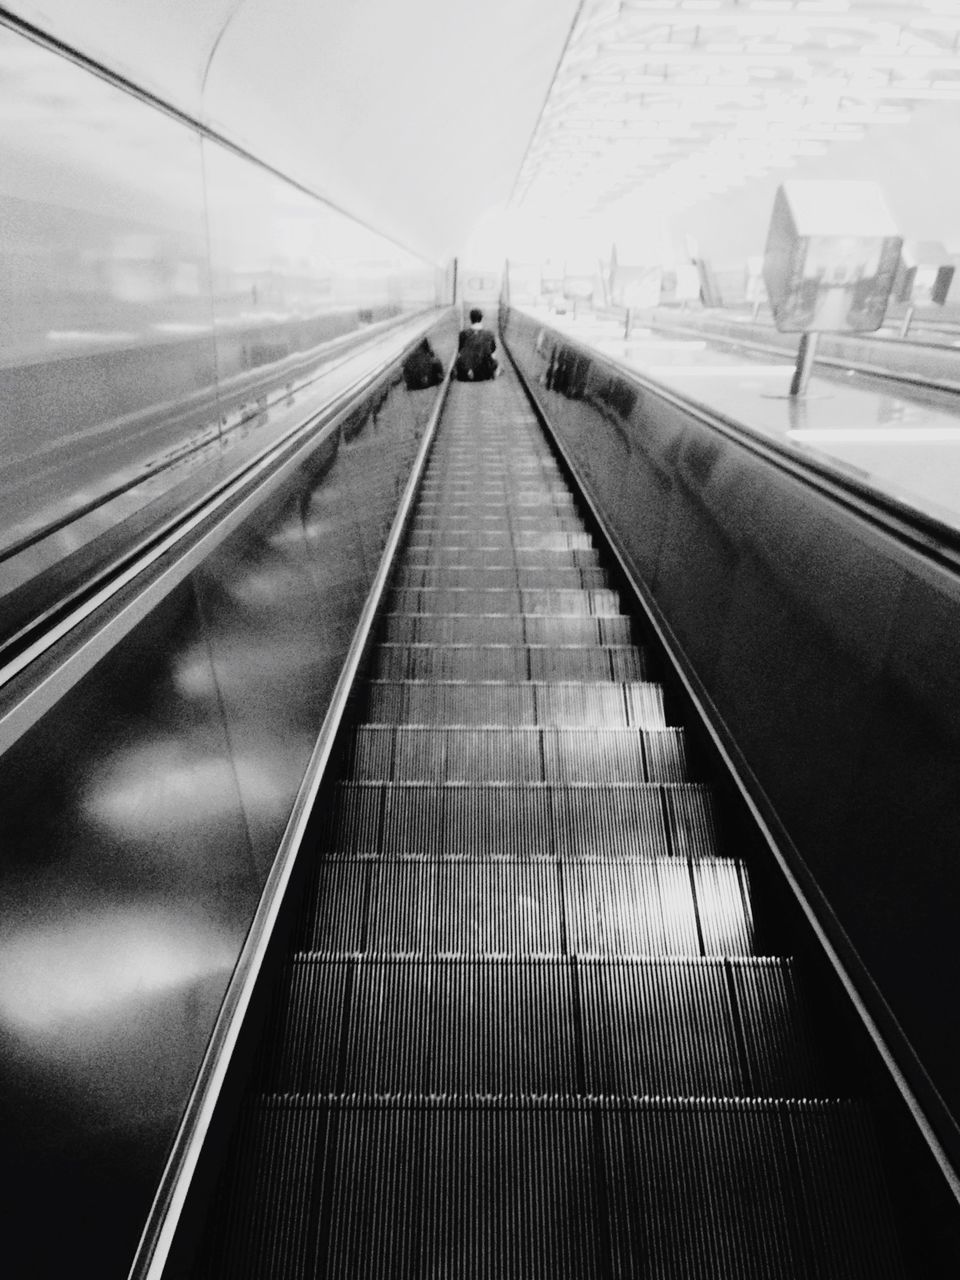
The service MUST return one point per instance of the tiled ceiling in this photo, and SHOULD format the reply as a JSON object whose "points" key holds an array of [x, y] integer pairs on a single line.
{"points": [[663, 103]]}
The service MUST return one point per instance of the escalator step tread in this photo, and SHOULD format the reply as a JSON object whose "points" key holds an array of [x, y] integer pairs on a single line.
{"points": [[527, 754], [427, 907], [510, 821], [684, 1190], [507, 578], [498, 628], [562, 704], [533, 539], [508, 663], [473, 557], [525, 1027]]}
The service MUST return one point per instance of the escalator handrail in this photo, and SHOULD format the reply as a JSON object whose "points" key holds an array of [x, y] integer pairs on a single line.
{"points": [[913, 528], [160, 1230]]}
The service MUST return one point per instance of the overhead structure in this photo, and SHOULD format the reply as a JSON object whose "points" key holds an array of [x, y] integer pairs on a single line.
{"points": [[663, 103]]}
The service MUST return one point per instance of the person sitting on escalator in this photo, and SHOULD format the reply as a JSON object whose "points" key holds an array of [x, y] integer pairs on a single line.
{"points": [[422, 367], [475, 359]]}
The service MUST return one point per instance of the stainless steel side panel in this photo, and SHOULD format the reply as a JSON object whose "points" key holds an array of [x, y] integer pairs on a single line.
{"points": [[139, 820], [828, 649]]}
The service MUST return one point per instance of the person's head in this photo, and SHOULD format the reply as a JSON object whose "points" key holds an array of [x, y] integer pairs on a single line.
{"points": [[476, 315]]}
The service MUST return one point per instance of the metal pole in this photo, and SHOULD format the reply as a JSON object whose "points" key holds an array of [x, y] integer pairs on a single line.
{"points": [[907, 321], [805, 358], [628, 325]]}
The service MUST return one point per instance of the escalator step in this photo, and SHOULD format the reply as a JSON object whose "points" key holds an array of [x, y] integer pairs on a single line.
{"points": [[480, 629], [560, 601], [678, 1189], [506, 578], [430, 907], [508, 821], [377, 753], [522, 540], [562, 705], [496, 507], [475, 557], [508, 663], [517, 1027]]}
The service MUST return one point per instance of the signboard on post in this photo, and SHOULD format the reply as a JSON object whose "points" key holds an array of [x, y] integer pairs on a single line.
{"points": [[831, 257]]}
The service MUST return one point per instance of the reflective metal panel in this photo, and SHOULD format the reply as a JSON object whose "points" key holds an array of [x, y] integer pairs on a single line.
{"points": [[827, 647], [167, 305], [106, 345], [138, 822]]}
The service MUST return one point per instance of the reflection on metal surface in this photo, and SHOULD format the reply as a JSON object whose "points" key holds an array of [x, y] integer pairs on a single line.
{"points": [[164, 300], [143, 813], [898, 445], [823, 634], [153, 787], [58, 978]]}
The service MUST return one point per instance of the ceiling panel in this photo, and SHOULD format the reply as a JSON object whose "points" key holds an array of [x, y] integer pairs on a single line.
{"points": [[669, 102]]}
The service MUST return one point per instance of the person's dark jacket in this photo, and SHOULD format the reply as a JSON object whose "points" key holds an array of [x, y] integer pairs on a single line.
{"points": [[422, 368], [475, 358]]}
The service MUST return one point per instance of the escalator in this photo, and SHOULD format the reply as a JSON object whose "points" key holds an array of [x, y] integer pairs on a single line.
{"points": [[522, 1029]]}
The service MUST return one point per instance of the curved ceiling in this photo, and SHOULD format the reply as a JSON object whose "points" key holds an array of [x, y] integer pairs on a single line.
{"points": [[418, 116], [412, 115]]}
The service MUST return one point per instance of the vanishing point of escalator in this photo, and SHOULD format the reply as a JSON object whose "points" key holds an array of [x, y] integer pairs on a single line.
{"points": [[521, 1031]]}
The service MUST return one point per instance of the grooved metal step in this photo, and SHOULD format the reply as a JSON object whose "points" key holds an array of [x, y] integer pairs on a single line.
{"points": [[377, 753], [523, 540], [564, 705], [509, 821], [559, 600], [481, 629], [425, 907], [507, 663], [511, 579], [537, 1026], [676, 1188], [496, 557]]}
